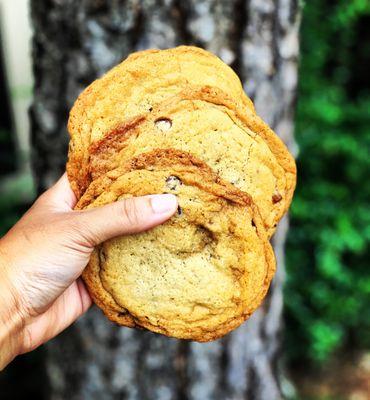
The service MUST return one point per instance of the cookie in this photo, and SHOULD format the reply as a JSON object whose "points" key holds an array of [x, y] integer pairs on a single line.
{"points": [[132, 88], [207, 123], [198, 275]]}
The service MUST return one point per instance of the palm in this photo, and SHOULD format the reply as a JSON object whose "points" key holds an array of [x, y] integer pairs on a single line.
{"points": [[51, 269], [74, 302]]}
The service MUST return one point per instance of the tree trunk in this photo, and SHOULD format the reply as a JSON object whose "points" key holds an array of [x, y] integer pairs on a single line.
{"points": [[76, 41]]}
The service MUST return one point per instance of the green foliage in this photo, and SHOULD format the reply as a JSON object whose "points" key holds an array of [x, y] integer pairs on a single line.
{"points": [[328, 284]]}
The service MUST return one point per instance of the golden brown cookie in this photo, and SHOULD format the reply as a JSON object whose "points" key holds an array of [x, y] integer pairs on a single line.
{"points": [[132, 88], [197, 276], [204, 121]]}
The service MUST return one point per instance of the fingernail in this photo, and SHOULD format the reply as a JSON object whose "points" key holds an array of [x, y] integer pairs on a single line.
{"points": [[162, 203]]}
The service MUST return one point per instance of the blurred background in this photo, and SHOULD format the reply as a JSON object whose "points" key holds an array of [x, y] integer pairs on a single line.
{"points": [[326, 339]]}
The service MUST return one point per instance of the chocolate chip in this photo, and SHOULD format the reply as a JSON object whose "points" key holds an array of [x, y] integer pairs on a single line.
{"points": [[276, 197], [172, 182], [179, 211]]}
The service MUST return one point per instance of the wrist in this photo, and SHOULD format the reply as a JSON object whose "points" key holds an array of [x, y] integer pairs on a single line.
{"points": [[11, 322]]}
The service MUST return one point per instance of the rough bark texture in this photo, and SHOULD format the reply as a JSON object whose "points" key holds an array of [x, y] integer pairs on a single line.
{"points": [[76, 41]]}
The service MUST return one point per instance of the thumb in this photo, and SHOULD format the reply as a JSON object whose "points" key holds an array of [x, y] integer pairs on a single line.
{"points": [[123, 217]]}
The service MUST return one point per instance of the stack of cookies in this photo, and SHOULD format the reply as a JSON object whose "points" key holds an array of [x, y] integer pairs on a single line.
{"points": [[178, 121]]}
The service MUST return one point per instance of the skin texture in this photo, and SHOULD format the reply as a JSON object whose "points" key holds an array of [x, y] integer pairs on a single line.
{"points": [[196, 277], [44, 254]]}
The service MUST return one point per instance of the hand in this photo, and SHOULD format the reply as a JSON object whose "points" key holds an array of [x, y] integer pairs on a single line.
{"points": [[43, 255]]}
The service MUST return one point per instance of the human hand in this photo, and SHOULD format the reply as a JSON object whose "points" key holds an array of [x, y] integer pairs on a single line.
{"points": [[43, 255]]}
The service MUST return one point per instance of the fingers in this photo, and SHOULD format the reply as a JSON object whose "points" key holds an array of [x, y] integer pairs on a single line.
{"points": [[60, 195], [128, 216], [72, 303]]}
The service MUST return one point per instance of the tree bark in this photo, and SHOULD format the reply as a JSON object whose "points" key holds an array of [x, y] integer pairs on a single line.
{"points": [[76, 41]]}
